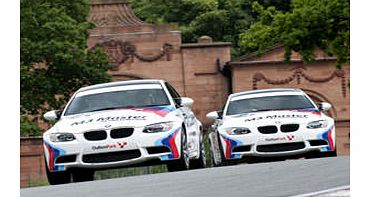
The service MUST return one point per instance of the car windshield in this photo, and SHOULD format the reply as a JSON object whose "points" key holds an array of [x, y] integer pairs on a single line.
{"points": [[285, 102], [117, 99]]}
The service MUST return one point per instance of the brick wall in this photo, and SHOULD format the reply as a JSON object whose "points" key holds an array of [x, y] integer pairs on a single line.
{"points": [[31, 161]]}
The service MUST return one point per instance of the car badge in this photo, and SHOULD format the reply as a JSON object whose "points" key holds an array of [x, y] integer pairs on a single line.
{"points": [[107, 126]]}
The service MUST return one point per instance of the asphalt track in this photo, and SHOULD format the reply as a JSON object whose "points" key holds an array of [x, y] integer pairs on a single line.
{"points": [[285, 178]]}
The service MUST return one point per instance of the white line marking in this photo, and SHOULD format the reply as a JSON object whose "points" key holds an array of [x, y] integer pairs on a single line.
{"points": [[323, 191]]}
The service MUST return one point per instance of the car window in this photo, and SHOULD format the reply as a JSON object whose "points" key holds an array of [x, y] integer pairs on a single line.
{"points": [[175, 96], [285, 102], [117, 99]]}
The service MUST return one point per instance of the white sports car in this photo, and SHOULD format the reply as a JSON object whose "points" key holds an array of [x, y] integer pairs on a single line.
{"points": [[271, 124], [118, 124]]}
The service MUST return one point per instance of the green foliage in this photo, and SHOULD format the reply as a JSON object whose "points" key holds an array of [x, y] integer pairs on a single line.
{"points": [[54, 55], [223, 20], [29, 128], [310, 24]]}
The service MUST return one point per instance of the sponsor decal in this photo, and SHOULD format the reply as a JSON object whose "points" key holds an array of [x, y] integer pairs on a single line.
{"points": [[158, 110], [288, 137], [272, 117], [271, 139], [110, 119], [110, 146]]}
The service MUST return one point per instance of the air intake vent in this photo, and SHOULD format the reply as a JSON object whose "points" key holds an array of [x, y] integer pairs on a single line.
{"points": [[111, 156], [95, 135], [280, 147]]}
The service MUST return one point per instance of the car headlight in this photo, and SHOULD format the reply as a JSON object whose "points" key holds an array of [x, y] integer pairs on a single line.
{"points": [[62, 137], [238, 131], [317, 124], [159, 127]]}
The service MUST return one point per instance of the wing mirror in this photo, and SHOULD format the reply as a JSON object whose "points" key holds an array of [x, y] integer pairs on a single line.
{"points": [[213, 115], [53, 115], [324, 106], [187, 102]]}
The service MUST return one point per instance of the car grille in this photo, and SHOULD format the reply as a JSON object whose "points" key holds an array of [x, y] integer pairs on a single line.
{"points": [[95, 135], [121, 133], [111, 157], [289, 127], [281, 147], [267, 129]]}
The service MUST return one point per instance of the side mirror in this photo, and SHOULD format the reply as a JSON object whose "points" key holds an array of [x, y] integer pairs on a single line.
{"points": [[212, 115], [324, 106], [187, 102], [52, 115]]}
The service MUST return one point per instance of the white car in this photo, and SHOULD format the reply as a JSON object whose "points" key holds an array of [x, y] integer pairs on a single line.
{"points": [[118, 124], [271, 124]]}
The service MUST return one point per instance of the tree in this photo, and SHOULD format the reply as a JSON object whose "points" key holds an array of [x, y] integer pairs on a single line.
{"points": [[223, 20], [55, 60], [310, 24]]}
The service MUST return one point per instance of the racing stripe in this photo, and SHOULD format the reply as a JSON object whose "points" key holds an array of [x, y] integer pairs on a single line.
{"points": [[170, 142], [328, 136], [230, 144], [159, 110], [53, 154]]}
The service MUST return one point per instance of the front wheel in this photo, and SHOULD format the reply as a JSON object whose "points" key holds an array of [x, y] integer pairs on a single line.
{"points": [[201, 161], [56, 178], [184, 162]]}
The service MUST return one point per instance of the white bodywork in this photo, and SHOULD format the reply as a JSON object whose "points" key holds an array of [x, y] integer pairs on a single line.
{"points": [[83, 153], [263, 134]]}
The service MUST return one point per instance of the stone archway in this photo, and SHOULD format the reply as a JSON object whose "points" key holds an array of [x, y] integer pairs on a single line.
{"points": [[318, 97]]}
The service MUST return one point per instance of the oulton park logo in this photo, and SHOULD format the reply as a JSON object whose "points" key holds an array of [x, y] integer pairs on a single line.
{"points": [[110, 146], [288, 137]]}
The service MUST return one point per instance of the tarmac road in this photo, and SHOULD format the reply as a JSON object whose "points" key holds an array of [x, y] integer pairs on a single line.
{"points": [[285, 178]]}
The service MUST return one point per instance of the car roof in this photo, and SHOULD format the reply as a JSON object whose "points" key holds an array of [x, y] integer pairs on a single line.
{"points": [[272, 90], [121, 83]]}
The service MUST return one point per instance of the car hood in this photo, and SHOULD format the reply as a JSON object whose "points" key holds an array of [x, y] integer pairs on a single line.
{"points": [[273, 118], [135, 117]]}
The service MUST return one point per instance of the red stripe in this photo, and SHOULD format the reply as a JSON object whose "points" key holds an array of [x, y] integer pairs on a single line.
{"points": [[331, 143], [228, 148], [173, 145], [51, 157]]}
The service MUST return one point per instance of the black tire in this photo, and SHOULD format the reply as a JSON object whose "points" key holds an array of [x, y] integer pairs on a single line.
{"points": [[201, 161], [183, 163], [56, 178], [82, 175]]}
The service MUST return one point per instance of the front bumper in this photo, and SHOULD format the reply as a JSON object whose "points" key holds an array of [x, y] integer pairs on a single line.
{"points": [[279, 144], [138, 148]]}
